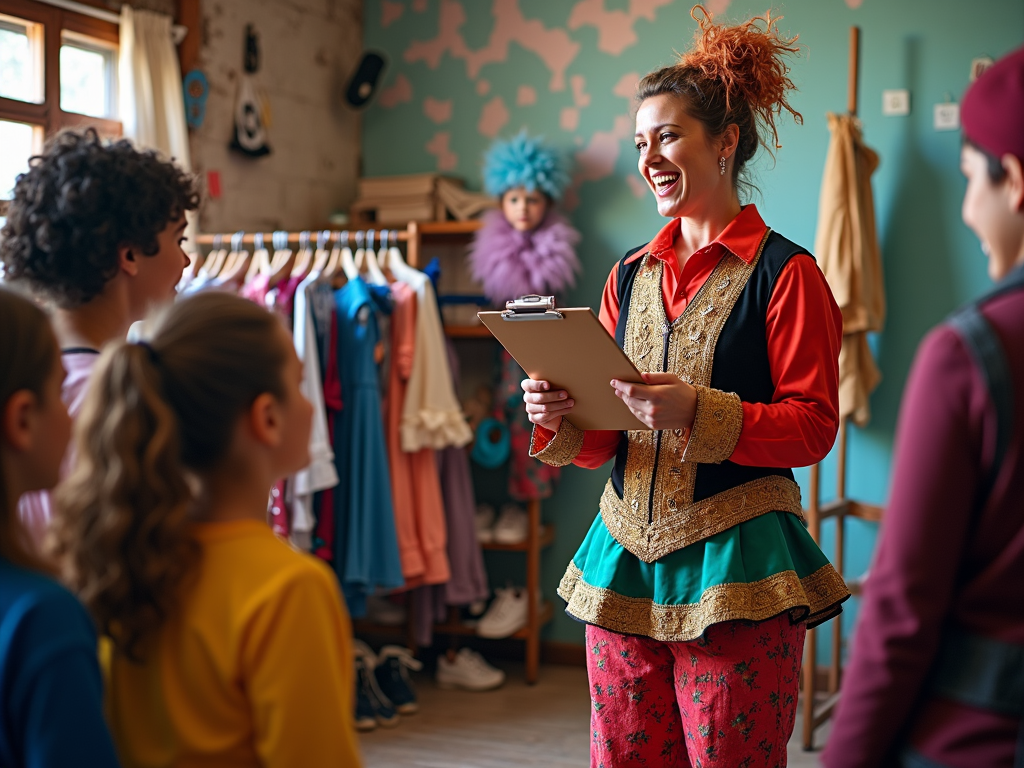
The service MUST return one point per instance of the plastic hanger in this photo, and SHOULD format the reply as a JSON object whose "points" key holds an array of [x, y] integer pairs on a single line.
{"points": [[304, 258]]}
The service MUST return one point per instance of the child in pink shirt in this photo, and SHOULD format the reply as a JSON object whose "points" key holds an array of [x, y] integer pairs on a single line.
{"points": [[95, 231]]}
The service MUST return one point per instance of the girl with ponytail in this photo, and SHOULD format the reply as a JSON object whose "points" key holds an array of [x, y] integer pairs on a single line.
{"points": [[697, 579], [51, 697], [226, 646]]}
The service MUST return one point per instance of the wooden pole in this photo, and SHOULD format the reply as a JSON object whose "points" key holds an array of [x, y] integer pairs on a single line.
{"points": [[851, 98]]}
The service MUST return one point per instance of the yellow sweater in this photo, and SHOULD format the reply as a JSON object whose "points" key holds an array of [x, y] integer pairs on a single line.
{"points": [[255, 668]]}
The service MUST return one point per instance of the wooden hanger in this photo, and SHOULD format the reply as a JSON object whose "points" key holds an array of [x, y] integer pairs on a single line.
{"points": [[304, 258], [235, 271], [331, 267], [196, 260], [260, 258], [396, 264], [233, 255], [382, 254], [214, 259], [322, 256], [284, 259], [346, 261], [373, 273]]}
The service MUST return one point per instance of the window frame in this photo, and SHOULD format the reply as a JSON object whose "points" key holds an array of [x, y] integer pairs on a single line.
{"points": [[48, 115]]}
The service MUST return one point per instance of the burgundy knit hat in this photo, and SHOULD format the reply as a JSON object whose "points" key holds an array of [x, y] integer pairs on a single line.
{"points": [[992, 112]]}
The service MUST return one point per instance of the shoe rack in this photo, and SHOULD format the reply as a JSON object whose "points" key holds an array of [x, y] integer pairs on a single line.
{"points": [[451, 238]]}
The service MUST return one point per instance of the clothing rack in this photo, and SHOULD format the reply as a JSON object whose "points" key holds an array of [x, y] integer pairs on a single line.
{"points": [[248, 238]]}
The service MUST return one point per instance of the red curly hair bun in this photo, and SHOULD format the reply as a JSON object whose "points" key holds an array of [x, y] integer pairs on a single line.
{"points": [[732, 74]]}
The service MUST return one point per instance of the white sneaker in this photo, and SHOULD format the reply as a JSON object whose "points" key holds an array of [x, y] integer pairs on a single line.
{"points": [[512, 525], [506, 616], [468, 671], [484, 523]]}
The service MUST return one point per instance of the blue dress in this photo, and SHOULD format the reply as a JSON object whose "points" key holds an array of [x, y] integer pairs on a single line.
{"points": [[51, 690], [366, 554]]}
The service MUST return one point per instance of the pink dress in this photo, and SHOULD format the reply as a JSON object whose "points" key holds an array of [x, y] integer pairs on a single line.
{"points": [[34, 508], [415, 483]]}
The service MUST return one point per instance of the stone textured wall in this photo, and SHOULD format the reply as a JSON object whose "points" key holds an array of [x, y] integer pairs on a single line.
{"points": [[308, 49]]}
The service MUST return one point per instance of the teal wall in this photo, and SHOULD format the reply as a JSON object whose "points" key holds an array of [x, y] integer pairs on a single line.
{"points": [[932, 261]]}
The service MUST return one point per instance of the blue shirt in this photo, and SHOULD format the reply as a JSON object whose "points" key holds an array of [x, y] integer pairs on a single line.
{"points": [[51, 690]]}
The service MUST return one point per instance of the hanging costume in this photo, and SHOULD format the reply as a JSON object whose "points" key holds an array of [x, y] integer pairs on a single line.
{"points": [[365, 545], [692, 531]]}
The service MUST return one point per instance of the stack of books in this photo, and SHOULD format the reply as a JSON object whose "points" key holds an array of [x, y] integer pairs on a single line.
{"points": [[401, 199]]}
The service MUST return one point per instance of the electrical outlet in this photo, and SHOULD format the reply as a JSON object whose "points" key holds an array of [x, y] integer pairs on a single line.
{"points": [[896, 102], [947, 117]]}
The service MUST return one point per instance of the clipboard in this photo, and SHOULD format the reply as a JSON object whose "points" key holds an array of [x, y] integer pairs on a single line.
{"points": [[572, 350]]}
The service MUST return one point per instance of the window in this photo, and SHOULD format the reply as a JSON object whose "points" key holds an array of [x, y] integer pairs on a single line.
{"points": [[21, 65], [58, 69], [88, 76]]}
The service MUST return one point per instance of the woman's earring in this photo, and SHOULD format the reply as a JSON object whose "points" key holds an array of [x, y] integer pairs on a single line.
{"points": [[721, 165]]}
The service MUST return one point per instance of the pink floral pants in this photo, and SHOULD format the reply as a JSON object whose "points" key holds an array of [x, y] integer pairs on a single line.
{"points": [[726, 699]]}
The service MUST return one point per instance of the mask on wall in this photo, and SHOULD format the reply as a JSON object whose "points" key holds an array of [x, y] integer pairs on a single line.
{"points": [[251, 111], [526, 246]]}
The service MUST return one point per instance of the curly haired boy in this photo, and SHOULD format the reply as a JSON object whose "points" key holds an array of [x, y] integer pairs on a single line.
{"points": [[95, 230]]}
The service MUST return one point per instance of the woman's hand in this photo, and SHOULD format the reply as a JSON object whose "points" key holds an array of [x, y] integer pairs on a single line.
{"points": [[664, 402], [545, 407]]}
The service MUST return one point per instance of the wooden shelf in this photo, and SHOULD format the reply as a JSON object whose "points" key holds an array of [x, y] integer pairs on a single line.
{"points": [[467, 332], [449, 227], [546, 536], [547, 611]]}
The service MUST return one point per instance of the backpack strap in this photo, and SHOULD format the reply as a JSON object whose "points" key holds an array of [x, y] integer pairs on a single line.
{"points": [[987, 352]]}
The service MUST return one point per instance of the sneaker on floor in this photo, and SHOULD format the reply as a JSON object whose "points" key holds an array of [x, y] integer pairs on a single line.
{"points": [[366, 720], [506, 616], [468, 671], [484, 523], [392, 673], [512, 526], [377, 704]]}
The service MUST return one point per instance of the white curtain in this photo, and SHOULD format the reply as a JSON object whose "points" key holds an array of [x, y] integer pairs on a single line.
{"points": [[150, 97], [152, 106]]}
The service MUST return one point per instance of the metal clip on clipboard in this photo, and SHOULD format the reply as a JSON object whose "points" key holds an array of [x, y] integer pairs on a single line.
{"points": [[531, 307]]}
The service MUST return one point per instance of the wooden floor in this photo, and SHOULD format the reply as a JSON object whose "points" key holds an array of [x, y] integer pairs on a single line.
{"points": [[517, 725]]}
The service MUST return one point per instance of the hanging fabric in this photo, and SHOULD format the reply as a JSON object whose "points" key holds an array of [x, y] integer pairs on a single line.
{"points": [[846, 247]]}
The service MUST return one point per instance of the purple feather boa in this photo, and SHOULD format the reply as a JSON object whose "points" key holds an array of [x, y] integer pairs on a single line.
{"points": [[509, 263]]}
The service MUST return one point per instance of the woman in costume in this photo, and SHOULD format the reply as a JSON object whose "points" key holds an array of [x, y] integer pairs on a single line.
{"points": [[936, 673], [698, 579]]}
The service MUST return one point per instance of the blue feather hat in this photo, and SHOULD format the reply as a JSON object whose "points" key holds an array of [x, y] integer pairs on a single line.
{"points": [[524, 162]]}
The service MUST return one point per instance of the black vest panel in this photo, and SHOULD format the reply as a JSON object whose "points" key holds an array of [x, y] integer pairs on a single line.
{"points": [[741, 359]]}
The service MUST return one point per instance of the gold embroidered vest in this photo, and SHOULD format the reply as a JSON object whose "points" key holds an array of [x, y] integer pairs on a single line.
{"points": [[657, 513]]}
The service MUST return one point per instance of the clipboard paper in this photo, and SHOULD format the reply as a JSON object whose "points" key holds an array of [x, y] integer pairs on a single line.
{"points": [[572, 350]]}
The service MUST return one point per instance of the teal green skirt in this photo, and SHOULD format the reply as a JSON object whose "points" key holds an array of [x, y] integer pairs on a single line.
{"points": [[751, 572]]}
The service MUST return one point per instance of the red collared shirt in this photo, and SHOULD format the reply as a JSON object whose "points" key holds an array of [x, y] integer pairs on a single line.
{"points": [[804, 328]]}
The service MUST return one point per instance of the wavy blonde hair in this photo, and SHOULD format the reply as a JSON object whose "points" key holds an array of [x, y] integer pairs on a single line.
{"points": [[158, 417], [28, 351]]}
